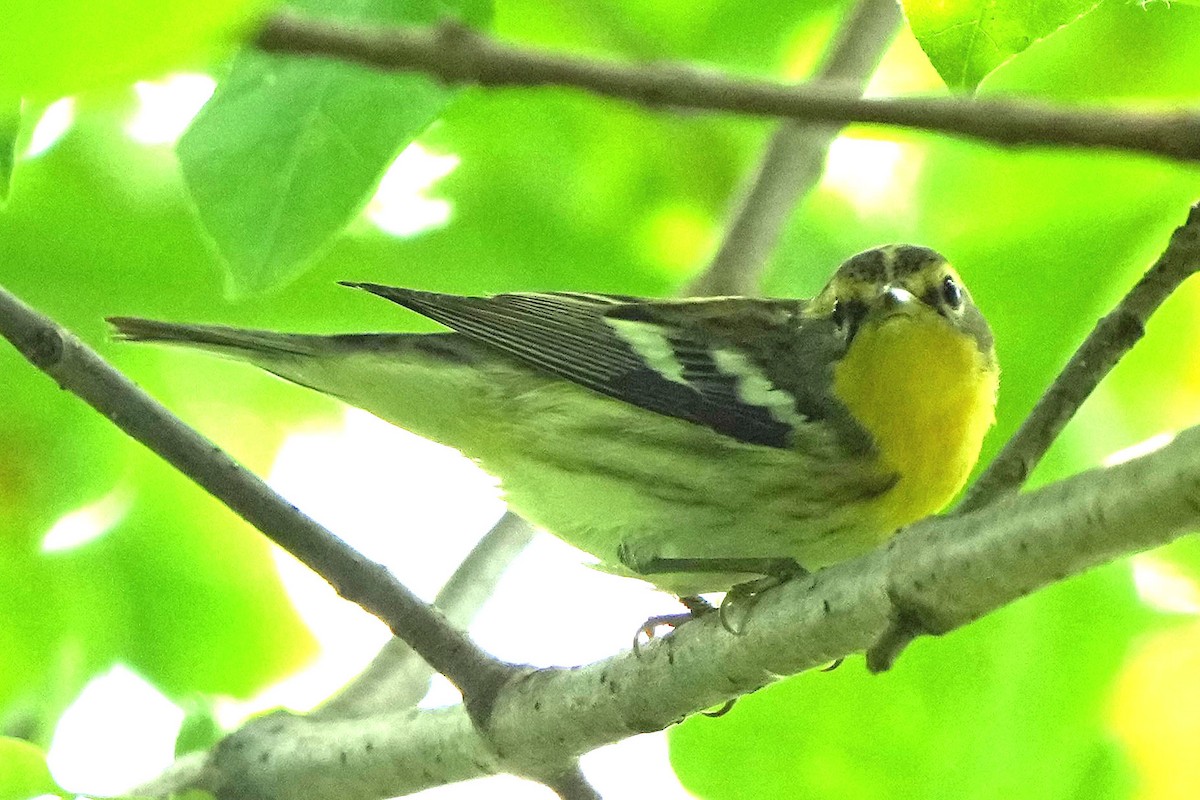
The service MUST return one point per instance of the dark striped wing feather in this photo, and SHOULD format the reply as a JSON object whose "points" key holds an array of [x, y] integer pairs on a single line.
{"points": [[676, 358]]}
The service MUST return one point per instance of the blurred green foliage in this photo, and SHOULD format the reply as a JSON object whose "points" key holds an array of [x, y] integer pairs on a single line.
{"points": [[23, 771], [556, 190], [52, 49], [10, 124]]}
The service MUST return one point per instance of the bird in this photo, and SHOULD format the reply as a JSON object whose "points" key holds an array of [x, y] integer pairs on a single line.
{"points": [[692, 443]]}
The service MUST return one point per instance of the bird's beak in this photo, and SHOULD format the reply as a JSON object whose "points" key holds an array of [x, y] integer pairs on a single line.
{"points": [[895, 301]]}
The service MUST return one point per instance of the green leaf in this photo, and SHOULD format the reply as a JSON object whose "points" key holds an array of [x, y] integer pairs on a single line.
{"points": [[289, 149], [967, 39], [10, 125], [23, 771], [52, 49]]}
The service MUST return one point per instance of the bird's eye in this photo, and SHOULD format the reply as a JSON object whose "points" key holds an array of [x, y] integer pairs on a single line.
{"points": [[951, 292], [847, 315]]}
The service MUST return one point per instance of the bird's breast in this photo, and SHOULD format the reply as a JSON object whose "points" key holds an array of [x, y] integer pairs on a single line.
{"points": [[927, 396]]}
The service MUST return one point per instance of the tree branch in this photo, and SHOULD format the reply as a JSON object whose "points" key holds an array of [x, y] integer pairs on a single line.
{"points": [[80, 370], [456, 54], [795, 156], [397, 677], [1109, 341], [282, 755], [930, 571]]}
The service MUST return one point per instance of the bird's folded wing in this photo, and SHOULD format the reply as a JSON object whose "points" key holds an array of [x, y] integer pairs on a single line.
{"points": [[683, 359]]}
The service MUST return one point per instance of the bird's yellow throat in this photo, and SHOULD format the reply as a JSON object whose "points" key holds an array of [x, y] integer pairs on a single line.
{"points": [[927, 394]]}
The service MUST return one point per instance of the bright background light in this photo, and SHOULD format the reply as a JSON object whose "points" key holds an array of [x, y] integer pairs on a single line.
{"points": [[875, 176], [401, 206], [86, 524], [1143, 448], [51, 126], [1164, 586], [119, 732], [167, 107]]}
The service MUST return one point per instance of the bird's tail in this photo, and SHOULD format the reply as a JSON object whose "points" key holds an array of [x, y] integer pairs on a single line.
{"points": [[266, 347], [217, 338], [421, 381]]}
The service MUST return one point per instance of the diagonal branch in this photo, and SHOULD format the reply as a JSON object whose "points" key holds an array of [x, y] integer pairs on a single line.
{"points": [[80, 370], [397, 677], [1109, 341], [795, 156], [456, 54]]}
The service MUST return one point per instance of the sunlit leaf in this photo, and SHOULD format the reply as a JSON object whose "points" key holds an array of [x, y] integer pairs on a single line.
{"points": [[288, 149], [1155, 709], [967, 39]]}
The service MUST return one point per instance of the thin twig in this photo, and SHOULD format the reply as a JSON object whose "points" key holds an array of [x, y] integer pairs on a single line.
{"points": [[472, 583], [1111, 339], [397, 678], [78, 369], [456, 54], [795, 156]]}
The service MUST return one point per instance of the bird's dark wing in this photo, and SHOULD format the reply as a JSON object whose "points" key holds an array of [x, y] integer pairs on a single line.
{"points": [[713, 362]]}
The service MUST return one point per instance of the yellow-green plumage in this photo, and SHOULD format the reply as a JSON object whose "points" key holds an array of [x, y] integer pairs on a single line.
{"points": [[685, 429]]}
